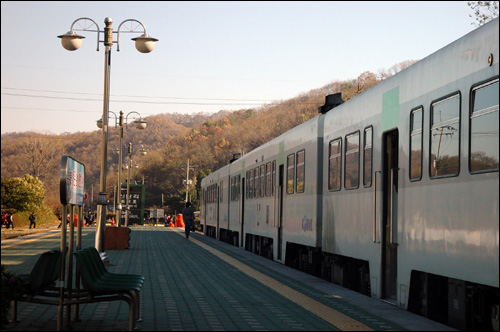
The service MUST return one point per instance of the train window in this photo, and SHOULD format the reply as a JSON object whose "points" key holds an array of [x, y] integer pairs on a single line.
{"points": [[234, 192], [416, 144], [290, 174], [221, 188], [235, 188], [263, 180], [268, 179], [367, 157], [301, 171], [351, 175], [484, 154], [247, 184], [274, 178], [256, 188], [250, 182], [445, 137], [252, 176], [335, 165]]}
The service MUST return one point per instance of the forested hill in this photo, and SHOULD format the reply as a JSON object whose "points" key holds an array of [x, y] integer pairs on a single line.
{"points": [[207, 140]]}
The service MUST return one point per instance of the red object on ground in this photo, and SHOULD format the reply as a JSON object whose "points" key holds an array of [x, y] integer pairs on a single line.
{"points": [[179, 222]]}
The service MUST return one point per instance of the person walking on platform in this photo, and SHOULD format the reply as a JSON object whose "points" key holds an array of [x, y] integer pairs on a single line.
{"points": [[87, 219], [188, 216], [32, 219], [10, 221]]}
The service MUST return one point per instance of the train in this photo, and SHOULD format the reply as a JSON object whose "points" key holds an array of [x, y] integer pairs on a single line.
{"points": [[393, 193]]}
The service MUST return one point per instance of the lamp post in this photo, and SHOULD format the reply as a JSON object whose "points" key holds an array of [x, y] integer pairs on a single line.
{"points": [[142, 151], [71, 42], [139, 124]]}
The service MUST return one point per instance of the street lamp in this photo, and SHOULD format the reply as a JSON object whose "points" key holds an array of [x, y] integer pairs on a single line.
{"points": [[71, 42], [143, 152], [139, 124]]}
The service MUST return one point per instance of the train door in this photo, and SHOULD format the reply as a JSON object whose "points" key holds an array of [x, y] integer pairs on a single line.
{"points": [[217, 214], [203, 219], [242, 212], [279, 195], [389, 214]]}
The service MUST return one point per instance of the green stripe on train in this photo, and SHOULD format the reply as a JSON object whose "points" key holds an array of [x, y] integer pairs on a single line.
{"points": [[390, 109]]}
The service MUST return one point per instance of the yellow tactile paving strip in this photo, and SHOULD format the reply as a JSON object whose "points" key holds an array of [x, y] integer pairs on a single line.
{"points": [[332, 316]]}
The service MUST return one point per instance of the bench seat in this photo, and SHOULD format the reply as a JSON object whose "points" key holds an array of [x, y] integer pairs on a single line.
{"points": [[102, 285]]}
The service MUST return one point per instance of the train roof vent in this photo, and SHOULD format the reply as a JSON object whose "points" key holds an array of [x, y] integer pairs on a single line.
{"points": [[235, 157], [331, 101]]}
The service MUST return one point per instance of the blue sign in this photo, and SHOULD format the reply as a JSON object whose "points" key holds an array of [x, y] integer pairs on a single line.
{"points": [[72, 181]]}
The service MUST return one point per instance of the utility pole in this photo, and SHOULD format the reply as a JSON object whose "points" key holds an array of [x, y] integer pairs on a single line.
{"points": [[187, 182]]}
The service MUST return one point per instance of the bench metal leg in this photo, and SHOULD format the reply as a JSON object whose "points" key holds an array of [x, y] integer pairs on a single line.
{"points": [[131, 313], [14, 311]]}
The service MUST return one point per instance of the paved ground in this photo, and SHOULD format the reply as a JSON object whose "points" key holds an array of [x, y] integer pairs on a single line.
{"points": [[202, 284], [25, 230]]}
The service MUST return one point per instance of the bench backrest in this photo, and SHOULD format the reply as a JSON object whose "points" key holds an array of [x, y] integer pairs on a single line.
{"points": [[93, 254], [45, 272], [89, 273]]}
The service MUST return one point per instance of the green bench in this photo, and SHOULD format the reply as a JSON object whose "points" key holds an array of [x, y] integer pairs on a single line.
{"points": [[40, 283], [99, 285], [102, 285]]}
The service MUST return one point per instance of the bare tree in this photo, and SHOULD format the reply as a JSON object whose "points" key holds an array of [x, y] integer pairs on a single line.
{"points": [[484, 11], [36, 155]]}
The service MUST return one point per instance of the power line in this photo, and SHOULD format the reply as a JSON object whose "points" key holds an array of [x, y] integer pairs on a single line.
{"points": [[131, 101], [165, 75], [48, 109], [131, 96]]}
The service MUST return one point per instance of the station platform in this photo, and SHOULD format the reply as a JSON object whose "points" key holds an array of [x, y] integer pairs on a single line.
{"points": [[202, 284]]}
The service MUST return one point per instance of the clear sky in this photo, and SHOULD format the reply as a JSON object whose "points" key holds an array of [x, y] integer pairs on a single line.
{"points": [[210, 56]]}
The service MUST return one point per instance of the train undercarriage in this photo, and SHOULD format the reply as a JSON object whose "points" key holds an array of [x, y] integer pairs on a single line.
{"points": [[456, 303]]}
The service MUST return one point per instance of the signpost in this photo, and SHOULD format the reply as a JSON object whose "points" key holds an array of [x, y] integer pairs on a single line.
{"points": [[157, 214], [72, 194]]}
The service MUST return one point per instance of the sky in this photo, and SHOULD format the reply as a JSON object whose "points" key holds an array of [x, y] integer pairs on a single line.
{"points": [[210, 56]]}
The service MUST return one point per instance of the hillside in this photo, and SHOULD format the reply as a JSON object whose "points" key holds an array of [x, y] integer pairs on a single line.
{"points": [[207, 140]]}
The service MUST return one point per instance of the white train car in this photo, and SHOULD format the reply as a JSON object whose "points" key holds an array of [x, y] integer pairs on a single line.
{"points": [[233, 230], [394, 193], [280, 192], [299, 162], [213, 210], [411, 202], [273, 198], [258, 204]]}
